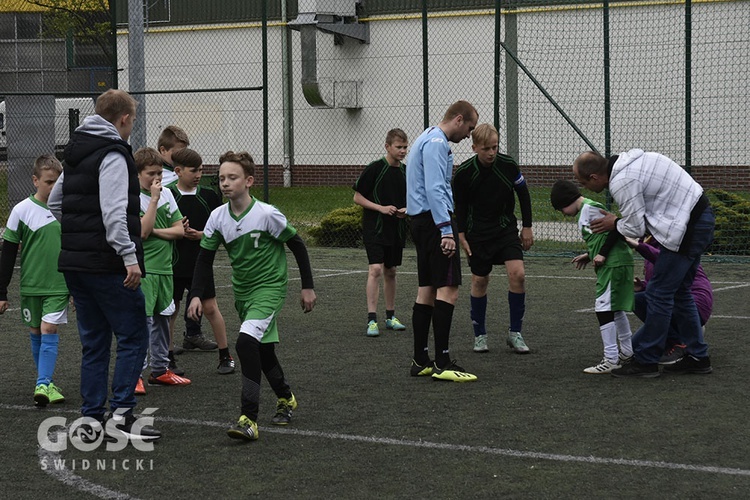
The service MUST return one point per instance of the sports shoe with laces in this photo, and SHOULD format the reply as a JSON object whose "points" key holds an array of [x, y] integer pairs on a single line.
{"points": [[54, 394], [284, 409], [515, 342], [673, 354], [140, 389], [418, 370], [634, 369], [452, 373], [372, 329], [604, 366], [394, 324], [199, 342], [167, 378], [41, 396], [480, 344], [691, 364], [119, 424], [244, 429], [226, 366]]}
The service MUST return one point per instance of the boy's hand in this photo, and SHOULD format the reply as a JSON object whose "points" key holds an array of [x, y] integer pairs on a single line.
{"points": [[599, 260], [133, 278], [527, 238], [638, 285], [195, 309], [581, 261], [155, 189], [185, 223], [193, 234], [388, 210], [3, 306], [307, 299], [464, 244], [401, 213]]}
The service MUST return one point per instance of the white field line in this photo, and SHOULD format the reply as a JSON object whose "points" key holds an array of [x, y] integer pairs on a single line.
{"points": [[505, 452]]}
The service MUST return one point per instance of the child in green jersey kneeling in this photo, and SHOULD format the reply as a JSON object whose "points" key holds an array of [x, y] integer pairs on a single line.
{"points": [[613, 263], [44, 295], [254, 234]]}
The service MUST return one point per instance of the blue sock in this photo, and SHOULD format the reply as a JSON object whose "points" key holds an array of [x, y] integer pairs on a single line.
{"points": [[36, 343], [47, 357], [478, 315], [517, 306]]}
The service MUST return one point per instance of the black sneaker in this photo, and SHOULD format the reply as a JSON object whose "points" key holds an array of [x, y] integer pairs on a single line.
{"points": [[284, 409], [691, 364], [177, 349], [226, 366], [634, 369], [90, 431], [173, 366], [127, 425], [418, 370], [199, 342], [673, 354]]}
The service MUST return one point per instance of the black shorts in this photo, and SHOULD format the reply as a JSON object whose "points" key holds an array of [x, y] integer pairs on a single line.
{"points": [[181, 285], [497, 251], [388, 255], [434, 268]]}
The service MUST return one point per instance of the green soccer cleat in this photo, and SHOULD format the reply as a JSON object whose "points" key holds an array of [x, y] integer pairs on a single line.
{"points": [[418, 370], [372, 329], [394, 324], [452, 373], [515, 342], [54, 394], [41, 395], [284, 408], [244, 429]]}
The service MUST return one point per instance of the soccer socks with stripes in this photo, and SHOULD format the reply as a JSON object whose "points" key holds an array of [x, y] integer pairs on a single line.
{"points": [[272, 369], [248, 352], [478, 315], [442, 318], [517, 307], [47, 357], [36, 344], [420, 321], [624, 334]]}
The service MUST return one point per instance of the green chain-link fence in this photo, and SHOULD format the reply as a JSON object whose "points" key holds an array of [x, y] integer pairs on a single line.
{"points": [[310, 88]]}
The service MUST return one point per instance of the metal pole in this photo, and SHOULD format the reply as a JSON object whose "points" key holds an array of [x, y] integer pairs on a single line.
{"points": [[496, 110], [688, 85], [607, 91], [511, 87], [113, 28], [265, 99], [288, 99], [425, 73], [137, 70]]}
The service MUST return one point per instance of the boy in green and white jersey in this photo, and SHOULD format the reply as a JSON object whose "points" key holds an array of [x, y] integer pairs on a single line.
{"points": [[161, 225], [613, 263], [254, 234], [44, 295]]}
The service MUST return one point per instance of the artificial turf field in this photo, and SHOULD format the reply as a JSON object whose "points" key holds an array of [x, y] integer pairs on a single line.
{"points": [[533, 426]]}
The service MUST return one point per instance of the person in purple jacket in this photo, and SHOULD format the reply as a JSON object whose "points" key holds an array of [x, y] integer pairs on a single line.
{"points": [[703, 295]]}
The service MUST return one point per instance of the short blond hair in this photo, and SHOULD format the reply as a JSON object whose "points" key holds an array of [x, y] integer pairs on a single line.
{"points": [[115, 103], [463, 108], [170, 136], [146, 157], [485, 134], [46, 162]]}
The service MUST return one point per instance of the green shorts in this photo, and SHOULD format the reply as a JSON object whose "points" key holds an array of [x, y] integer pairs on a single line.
{"points": [[258, 316], [159, 291], [52, 309], [614, 289]]}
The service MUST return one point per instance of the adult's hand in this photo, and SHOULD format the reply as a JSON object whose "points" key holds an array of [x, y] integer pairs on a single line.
{"points": [[605, 223], [133, 278]]}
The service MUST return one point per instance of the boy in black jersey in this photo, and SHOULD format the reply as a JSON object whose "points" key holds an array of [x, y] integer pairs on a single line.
{"points": [[484, 190], [381, 191], [196, 203]]}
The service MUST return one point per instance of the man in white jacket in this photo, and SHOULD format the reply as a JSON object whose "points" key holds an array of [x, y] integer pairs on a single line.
{"points": [[657, 196]]}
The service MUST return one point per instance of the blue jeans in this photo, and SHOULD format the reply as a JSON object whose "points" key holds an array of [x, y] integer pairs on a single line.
{"points": [[668, 297], [103, 306]]}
